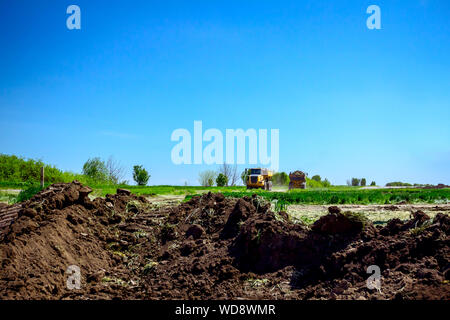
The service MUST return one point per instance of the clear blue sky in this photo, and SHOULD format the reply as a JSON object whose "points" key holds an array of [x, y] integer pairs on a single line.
{"points": [[348, 101]]}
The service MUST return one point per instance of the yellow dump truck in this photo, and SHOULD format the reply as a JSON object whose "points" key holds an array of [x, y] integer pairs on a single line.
{"points": [[259, 178]]}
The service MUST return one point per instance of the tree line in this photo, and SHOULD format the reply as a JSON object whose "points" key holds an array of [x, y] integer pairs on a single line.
{"points": [[95, 171], [356, 182]]}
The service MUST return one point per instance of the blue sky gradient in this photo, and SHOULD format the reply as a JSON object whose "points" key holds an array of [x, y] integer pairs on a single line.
{"points": [[348, 101]]}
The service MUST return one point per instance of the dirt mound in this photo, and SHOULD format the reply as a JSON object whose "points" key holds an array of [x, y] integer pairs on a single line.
{"points": [[57, 228], [334, 223], [212, 247]]}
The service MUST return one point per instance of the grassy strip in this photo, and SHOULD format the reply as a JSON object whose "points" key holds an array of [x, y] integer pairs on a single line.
{"points": [[14, 185], [162, 190], [352, 196], [332, 195]]}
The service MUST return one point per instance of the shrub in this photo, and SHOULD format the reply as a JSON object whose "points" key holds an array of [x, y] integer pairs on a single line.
{"points": [[398, 184], [326, 183], [207, 177], [140, 175], [313, 183], [18, 170], [28, 193], [96, 169], [221, 180]]}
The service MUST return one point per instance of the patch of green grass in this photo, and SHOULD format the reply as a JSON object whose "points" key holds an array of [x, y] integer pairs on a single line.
{"points": [[420, 228], [120, 254], [254, 283], [280, 205], [149, 267], [117, 281], [28, 193], [307, 220], [139, 234], [102, 190], [8, 197], [278, 217]]}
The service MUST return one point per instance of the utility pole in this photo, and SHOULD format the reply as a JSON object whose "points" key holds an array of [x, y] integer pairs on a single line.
{"points": [[42, 177]]}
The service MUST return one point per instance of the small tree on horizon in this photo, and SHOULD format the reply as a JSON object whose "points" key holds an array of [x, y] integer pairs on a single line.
{"points": [[140, 175], [373, 183], [116, 172], [206, 178], [230, 172], [363, 182], [96, 169], [222, 180], [356, 182]]}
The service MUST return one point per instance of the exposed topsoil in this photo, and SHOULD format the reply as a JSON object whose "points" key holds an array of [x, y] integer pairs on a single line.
{"points": [[213, 247]]}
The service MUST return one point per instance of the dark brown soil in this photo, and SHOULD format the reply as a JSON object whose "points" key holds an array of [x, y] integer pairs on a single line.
{"points": [[213, 247]]}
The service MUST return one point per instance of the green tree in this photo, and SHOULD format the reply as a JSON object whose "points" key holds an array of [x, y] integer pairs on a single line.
{"points": [[355, 182], [207, 177], [316, 178], [363, 182], [140, 175], [326, 183], [96, 169], [373, 183], [221, 180]]}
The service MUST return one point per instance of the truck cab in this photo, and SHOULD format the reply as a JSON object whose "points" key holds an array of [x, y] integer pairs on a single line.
{"points": [[259, 178]]}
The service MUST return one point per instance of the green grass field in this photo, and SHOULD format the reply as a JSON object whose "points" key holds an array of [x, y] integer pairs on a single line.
{"points": [[323, 196], [332, 195]]}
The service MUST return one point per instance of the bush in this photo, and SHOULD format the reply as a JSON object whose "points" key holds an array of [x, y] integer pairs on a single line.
{"points": [[326, 183], [313, 183], [207, 177], [398, 184], [16, 169], [316, 182], [221, 180], [140, 175], [96, 169], [373, 183], [28, 193], [280, 179]]}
